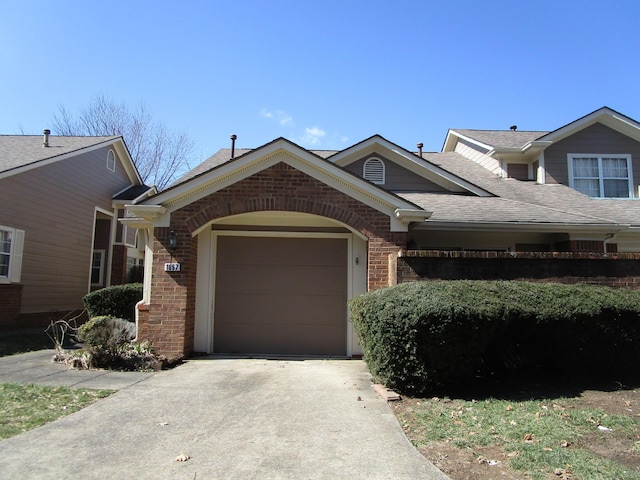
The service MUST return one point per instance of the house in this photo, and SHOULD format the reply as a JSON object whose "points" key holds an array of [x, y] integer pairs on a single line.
{"points": [[59, 235], [257, 251]]}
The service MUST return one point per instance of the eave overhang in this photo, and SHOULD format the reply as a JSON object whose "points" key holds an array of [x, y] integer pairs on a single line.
{"points": [[142, 216], [408, 160], [586, 229], [407, 216], [452, 138], [257, 160], [606, 116]]}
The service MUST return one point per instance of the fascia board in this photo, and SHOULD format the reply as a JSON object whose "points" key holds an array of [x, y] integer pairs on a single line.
{"points": [[58, 158], [254, 162], [136, 222], [470, 140], [606, 116], [592, 229], [450, 141], [407, 160], [535, 146], [149, 212], [129, 165]]}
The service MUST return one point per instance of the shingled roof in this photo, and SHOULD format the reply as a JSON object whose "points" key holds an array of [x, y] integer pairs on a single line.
{"points": [[561, 198], [500, 139], [513, 201], [224, 155], [20, 150]]}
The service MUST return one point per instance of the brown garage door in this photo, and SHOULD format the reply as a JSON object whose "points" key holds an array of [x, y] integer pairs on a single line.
{"points": [[280, 295]]}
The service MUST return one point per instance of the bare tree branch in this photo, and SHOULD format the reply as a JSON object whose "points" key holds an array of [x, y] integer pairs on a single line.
{"points": [[159, 154]]}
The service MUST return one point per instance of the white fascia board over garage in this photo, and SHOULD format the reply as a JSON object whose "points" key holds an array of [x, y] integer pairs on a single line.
{"points": [[297, 157]]}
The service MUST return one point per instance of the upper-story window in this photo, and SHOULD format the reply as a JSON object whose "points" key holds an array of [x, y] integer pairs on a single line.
{"points": [[601, 176], [373, 170], [111, 160]]}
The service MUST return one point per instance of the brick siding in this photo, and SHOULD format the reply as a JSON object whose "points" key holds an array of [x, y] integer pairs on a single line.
{"points": [[168, 321], [10, 300]]}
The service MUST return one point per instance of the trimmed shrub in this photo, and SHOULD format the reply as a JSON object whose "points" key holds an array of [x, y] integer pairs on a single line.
{"points": [[107, 333], [116, 301], [420, 336]]}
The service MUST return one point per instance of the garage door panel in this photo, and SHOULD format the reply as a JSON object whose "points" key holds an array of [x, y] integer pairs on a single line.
{"points": [[251, 251], [295, 340], [292, 280], [280, 295], [278, 310]]}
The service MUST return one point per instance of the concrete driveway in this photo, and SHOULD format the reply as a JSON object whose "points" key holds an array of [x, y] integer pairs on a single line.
{"points": [[235, 419]]}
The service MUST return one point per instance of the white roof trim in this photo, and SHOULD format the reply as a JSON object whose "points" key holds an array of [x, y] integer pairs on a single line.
{"points": [[450, 141], [297, 157], [602, 229], [612, 119], [117, 142], [407, 160]]}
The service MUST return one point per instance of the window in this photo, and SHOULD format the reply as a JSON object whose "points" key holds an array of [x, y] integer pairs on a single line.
{"points": [[97, 268], [111, 160], [373, 170], [135, 270], [5, 252], [11, 244], [601, 176]]}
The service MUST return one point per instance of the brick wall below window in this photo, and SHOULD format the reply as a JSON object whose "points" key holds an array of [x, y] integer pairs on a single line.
{"points": [[10, 300]]}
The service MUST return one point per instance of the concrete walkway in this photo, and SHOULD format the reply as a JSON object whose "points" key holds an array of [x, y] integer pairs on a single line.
{"points": [[232, 418], [38, 368]]}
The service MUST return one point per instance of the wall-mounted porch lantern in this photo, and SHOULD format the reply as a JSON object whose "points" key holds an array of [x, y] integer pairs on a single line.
{"points": [[172, 246], [173, 242]]}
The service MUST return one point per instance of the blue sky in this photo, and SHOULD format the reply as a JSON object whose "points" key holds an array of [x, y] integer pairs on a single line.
{"points": [[323, 74]]}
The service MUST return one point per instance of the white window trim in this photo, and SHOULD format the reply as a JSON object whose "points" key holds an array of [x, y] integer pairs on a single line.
{"points": [[15, 255], [102, 253], [111, 160], [367, 175], [599, 156]]}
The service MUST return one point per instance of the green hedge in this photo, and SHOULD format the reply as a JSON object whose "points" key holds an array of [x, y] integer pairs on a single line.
{"points": [[420, 336], [116, 301]]}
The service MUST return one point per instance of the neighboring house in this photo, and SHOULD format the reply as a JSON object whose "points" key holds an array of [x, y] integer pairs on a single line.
{"points": [[60, 199], [258, 253]]}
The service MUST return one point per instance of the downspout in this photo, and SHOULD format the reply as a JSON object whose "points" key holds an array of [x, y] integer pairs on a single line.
{"points": [[604, 242]]}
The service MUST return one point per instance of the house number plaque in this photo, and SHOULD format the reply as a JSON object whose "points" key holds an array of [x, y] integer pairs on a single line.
{"points": [[171, 267]]}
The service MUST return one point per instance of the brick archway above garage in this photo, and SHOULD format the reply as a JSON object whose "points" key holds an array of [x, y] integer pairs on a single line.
{"points": [[282, 188]]}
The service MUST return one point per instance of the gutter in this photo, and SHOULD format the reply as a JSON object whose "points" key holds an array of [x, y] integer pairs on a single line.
{"points": [[605, 229], [407, 216]]}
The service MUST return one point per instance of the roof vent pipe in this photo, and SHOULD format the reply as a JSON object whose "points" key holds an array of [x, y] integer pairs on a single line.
{"points": [[233, 145], [45, 142], [420, 145]]}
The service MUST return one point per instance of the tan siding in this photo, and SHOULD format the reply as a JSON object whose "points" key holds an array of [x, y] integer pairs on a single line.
{"points": [[55, 206], [597, 138], [466, 150], [397, 178]]}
